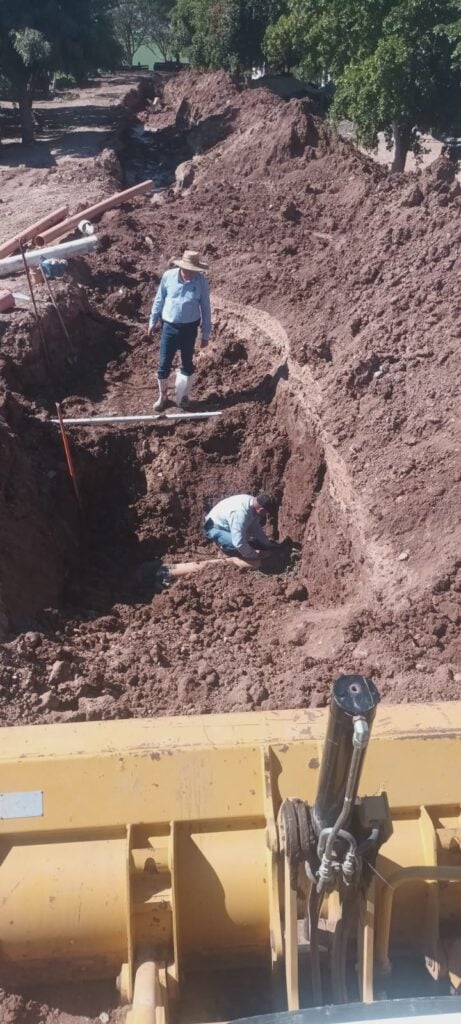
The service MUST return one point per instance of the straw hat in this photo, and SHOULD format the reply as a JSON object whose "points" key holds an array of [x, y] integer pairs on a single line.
{"points": [[190, 260]]}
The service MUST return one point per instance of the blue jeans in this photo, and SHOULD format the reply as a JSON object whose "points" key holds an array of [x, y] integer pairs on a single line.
{"points": [[221, 537], [176, 337]]}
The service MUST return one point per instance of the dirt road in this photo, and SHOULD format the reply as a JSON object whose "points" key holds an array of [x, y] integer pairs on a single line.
{"points": [[59, 167]]}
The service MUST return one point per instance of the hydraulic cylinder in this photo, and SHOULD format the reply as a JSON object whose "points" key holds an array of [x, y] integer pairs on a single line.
{"points": [[352, 697]]}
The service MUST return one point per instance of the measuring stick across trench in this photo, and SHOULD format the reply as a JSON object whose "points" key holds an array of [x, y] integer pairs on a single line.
{"points": [[68, 454], [96, 420]]}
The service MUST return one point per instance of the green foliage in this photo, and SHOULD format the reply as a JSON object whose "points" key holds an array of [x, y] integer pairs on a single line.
{"points": [[281, 45], [200, 29], [77, 37], [130, 26], [39, 35], [379, 91], [396, 64], [83, 37], [31, 47], [223, 33], [160, 31], [140, 22]]}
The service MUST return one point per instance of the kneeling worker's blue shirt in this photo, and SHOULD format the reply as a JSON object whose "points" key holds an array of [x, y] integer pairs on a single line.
{"points": [[182, 302]]}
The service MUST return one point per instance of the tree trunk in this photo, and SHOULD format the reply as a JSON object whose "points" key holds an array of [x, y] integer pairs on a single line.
{"points": [[25, 113], [131, 46], [401, 147], [162, 49]]}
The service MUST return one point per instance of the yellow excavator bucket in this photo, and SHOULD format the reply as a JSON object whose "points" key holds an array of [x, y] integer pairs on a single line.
{"points": [[168, 853]]}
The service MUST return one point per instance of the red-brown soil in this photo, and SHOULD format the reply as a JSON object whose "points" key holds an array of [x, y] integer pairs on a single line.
{"points": [[336, 365]]}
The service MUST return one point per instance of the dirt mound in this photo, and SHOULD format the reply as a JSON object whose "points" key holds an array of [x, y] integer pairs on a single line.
{"points": [[193, 97], [83, 1004], [210, 108]]}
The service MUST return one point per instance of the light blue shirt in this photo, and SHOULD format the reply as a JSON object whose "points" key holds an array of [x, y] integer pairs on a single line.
{"points": [[182, 302], [237, 514]]}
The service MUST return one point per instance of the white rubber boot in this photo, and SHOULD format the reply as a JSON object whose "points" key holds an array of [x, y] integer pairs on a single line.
{"points": [[183, 387], [162, 399]]}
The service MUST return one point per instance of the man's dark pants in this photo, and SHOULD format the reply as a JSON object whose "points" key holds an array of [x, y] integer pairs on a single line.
{"points": [[177, 337], [220, 536]]}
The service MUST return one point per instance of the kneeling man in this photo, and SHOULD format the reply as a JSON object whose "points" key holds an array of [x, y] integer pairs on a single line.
{"points": [[234, 525]]}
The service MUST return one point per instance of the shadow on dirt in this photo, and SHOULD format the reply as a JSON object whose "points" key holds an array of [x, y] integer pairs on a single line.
{"points": [[155, 576], [71, 131]]}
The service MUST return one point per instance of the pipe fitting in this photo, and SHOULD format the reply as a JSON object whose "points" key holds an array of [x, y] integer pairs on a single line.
{"points": [[349, 867], [361, 733]]}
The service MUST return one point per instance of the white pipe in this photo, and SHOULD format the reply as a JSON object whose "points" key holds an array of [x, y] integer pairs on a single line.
{"points": [[137, 419], [13, 264]]}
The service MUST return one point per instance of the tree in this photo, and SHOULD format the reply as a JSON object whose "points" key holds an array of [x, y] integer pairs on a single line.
{"points": [[223, 33], [281, 45], [27, 55], [395, 63], [159, 26], [130, 23], [40, 37], [141, 23]]}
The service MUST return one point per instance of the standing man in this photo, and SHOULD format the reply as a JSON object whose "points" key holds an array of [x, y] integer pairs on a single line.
{"points": [[181, 303], [234, 525]]}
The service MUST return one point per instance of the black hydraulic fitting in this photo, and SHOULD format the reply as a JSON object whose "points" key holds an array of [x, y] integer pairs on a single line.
{"points": [[352, 697]]}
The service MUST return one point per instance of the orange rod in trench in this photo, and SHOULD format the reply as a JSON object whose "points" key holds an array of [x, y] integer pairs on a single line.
{"points": [[68, 454]]}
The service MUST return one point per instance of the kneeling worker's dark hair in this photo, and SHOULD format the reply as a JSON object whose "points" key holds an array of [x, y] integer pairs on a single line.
{"points": [[266, 501]]}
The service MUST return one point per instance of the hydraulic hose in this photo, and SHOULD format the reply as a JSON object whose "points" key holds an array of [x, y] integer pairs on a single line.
{"points": [[352, 710], [339, 950], [360, 741], [313, 914]]}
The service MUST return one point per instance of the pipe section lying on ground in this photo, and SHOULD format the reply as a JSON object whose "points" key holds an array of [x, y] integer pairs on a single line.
{"points": [[34, 257], [117, 199], [12, 244], [89, 420], [189, 568]]}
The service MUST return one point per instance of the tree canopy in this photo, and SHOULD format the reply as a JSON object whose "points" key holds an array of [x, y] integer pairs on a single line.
{"points": [[395, 63], [52, 35], [223, 33], [141, 23]]}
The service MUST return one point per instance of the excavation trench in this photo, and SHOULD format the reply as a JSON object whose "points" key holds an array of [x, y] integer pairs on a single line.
{"points": [[84, 586], [145, 491]]}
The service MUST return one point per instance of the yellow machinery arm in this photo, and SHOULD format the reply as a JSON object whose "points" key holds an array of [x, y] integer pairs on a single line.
{"points": [[160, 847]]}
